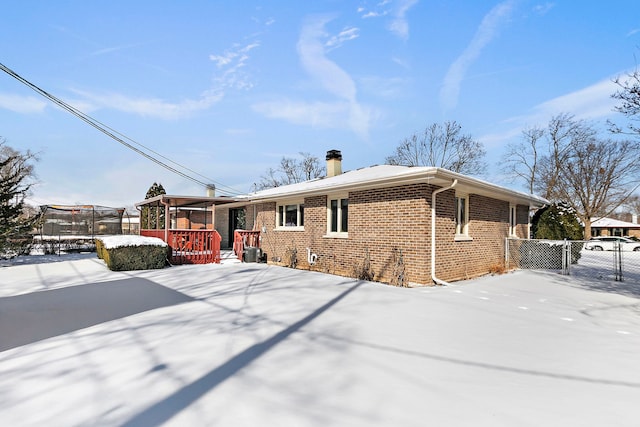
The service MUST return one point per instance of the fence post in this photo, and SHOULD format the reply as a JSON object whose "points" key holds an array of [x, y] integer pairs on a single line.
{"points": [[617, 261], [567, 257], [506, 253]]}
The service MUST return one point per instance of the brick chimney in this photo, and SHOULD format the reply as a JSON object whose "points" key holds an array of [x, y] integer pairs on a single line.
{"points": [[334, 163]]}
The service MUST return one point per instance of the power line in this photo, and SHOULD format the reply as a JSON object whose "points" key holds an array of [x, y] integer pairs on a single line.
{"points": [[113, 134]]}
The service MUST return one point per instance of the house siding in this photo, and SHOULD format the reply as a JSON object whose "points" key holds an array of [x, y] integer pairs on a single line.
{"points": [[387, 222]]}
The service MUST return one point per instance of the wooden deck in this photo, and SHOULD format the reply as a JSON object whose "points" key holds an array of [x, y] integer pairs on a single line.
{"points": [[190, 246]]}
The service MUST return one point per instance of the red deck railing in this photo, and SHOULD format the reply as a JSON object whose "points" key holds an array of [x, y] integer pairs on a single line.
{"points": [[190, 246], [242, 238]]}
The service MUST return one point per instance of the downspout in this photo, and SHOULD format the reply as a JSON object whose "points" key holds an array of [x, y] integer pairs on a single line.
{"points": [[433, 233]]}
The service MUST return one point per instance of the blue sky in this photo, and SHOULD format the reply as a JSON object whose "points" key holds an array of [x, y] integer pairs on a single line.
{"points": [[228, 88]]}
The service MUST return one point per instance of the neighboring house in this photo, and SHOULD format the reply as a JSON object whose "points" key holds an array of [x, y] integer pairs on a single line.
{"points": [[614, 227], [382, 220], [130, 223]]}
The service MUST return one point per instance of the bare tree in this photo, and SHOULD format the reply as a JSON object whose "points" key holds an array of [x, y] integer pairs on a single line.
{"points": [[291, 171], [633, 204], [629, 106], [444, 146], [563, 133], [594, 176], [521, 159], [598, 176]]}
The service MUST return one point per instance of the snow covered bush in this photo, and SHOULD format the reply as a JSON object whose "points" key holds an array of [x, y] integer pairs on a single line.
{"points": [[556, 222], [122, 253]]}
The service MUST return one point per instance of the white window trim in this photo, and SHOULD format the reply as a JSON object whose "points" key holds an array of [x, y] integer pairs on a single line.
{"points": [[284, 204], [513, 219], [336, 234], [462, 235]]}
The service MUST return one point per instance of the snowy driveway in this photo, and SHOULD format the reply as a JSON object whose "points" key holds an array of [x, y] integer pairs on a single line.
{"points": [[258, 345]]}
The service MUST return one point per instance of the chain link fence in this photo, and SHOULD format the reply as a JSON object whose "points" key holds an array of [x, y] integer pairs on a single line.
{"points": [[571, 257]]}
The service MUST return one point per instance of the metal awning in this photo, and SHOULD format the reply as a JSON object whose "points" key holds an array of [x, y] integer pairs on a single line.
{"points": [[186, 201]]}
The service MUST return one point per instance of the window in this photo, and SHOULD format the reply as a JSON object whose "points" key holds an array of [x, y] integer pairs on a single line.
{"points": [[338, 216], [462, 215], [513, 220], [290, 215]]}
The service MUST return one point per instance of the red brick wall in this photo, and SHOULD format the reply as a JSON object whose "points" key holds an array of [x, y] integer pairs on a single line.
{"points": [[488, 228], [389, 221], [194, 220]]}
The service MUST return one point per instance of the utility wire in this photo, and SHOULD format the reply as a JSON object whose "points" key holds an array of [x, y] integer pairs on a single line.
{"points": [[112, 133]]}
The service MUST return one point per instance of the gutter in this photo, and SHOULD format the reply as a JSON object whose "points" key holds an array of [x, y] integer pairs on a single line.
{"points": [[433, 233]]}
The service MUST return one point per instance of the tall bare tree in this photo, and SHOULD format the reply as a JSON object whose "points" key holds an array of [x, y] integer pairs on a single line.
{"points": [[292, 170], [629, 105], [574, 165], [521, 159], [444, 146], [633, 204], [563, 134], [597, 176]]}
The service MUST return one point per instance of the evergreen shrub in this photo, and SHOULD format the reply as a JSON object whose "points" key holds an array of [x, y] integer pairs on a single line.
{"points": [[133, 257]]}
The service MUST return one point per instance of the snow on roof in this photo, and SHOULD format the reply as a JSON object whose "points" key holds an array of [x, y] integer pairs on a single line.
{"points": [[612, 223], [387, 175], [362, 175]]}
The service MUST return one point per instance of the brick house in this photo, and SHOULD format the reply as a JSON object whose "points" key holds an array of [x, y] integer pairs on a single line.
{"points": [[615, 227], [383, 220]]}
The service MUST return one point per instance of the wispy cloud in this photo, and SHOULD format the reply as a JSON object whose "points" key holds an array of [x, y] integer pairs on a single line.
{"points": [[343, 36], [114, 49], [389, 88], [151, 107], [396, 9], [230, 75], [543, 8], [235, 57], [327, 115], [488, 29], [231, 64], [633, 32], [345, 112], [22, 104], [311, 50], [593, 102], [399, 25]]}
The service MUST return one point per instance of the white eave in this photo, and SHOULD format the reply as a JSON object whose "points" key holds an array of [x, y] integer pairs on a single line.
{"points": [[387, 176], [612, 223], [186, 201]]}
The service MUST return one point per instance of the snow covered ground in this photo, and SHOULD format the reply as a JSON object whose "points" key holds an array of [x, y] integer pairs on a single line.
{"points": [[259, 345]]}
